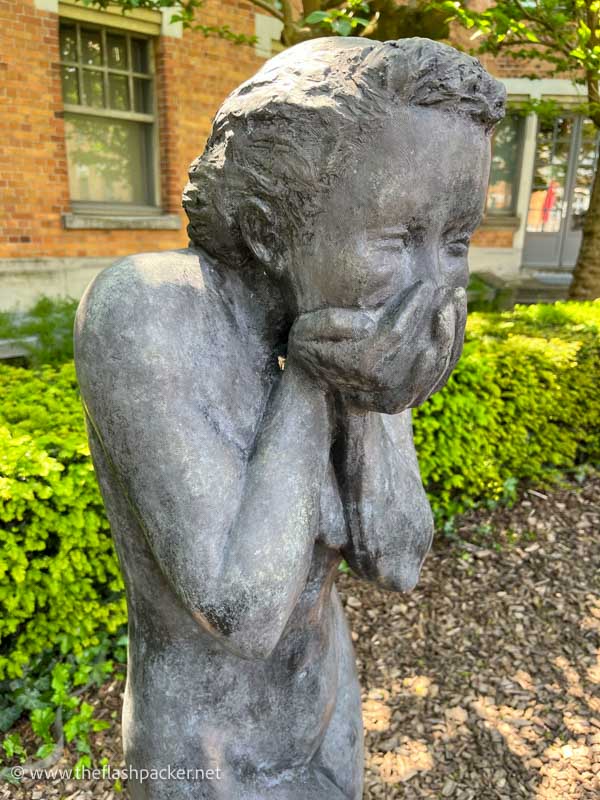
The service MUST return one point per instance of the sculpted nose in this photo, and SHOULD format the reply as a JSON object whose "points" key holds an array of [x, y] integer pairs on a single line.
{"points": [[441, 272], [429, 267], [458, 276]]}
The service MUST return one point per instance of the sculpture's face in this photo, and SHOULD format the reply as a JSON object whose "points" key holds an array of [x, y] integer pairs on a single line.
{"points": [[403, 211]]}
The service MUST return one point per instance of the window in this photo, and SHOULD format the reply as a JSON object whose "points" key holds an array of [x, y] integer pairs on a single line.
{"points": [[108, 94], [506, 165], [565, 164], [549, 190]]}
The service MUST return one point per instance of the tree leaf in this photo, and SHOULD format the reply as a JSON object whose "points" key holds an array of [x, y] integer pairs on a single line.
{"points": [[316, 17], [342, 26]]}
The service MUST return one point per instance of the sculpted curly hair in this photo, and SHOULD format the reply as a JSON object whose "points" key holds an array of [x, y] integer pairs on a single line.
{"points": [[283, 136]]}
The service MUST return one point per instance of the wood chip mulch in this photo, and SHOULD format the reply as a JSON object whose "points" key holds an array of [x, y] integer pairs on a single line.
{"points": [[483, 684]]}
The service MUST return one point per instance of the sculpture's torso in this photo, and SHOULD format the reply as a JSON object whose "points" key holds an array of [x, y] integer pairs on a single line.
{"points": [[280, 727]]}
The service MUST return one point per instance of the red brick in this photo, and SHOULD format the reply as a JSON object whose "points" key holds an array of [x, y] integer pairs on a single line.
{"points": [[194, 75]]}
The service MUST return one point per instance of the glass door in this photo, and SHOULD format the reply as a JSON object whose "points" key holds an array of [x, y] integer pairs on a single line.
{"points": [[566, 157], [585, 168]]}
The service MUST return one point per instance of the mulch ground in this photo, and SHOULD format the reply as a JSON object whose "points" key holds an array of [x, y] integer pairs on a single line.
{"points": [[482, 684]]}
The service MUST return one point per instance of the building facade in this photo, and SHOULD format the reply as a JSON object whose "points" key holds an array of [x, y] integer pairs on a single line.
{"points": [[103, 112]]}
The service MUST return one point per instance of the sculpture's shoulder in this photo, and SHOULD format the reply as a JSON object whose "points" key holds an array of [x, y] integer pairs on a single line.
{"points": [[170, 323], [130, 287], [140, 298]]}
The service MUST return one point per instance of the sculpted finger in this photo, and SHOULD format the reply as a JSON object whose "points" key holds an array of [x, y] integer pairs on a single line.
{"points": [[429, 370], [329, 359], [406, 323], [458, 334], [333, 324], [404, 316], [460, 304], [444, 323]]}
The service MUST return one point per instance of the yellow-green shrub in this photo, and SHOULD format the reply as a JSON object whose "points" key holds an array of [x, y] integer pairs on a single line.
{"points": [[522, 403], [59, 580]]}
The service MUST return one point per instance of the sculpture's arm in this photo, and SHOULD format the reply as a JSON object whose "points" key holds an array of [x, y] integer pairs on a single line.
{"points": [[233, 534], [238, 558], [388, 514], [269, 545]]}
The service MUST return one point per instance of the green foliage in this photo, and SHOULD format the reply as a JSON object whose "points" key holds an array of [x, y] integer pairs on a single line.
{"points": [[343, 20], [522, 404], [563, 34], [49, 695], [51, 322], [59, 579], [13, 747], [62, 610], [377, 19], [485, 295], [185, 11]]}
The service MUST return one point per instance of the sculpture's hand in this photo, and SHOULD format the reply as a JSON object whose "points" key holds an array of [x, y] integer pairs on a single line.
{"points": [[377, 468], [389, 359]]}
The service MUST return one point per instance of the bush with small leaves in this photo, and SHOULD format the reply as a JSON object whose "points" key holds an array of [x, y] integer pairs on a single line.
{"points": [[522, 404]]}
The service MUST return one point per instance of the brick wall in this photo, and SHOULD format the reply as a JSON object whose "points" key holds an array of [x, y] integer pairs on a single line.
{"points": [[194, 74], [494, 237]]}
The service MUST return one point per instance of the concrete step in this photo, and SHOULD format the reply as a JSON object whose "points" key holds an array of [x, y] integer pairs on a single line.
{"points": [[542, 286], [17, 348]]}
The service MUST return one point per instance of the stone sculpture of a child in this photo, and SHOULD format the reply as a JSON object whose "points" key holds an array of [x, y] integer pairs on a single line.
{"points": [[330, 218]]}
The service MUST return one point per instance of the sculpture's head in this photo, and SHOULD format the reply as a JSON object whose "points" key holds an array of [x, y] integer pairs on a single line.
{"points": [[349, 169]]}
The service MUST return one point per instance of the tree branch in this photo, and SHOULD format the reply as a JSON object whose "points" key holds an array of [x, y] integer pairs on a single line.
{"points": [[308, 6], [289, 27], [527, 43], [547, 26], [270, 9]]}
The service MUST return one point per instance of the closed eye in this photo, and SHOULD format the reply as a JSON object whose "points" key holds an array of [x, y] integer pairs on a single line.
{"points": [[458, 247], [392, 245], [389, 239]]}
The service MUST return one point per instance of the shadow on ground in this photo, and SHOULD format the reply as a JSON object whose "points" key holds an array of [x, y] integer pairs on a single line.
{"points": [[484, 683]]}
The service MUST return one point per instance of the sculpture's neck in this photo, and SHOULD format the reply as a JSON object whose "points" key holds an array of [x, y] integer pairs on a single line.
{"points": [[256, 294]]}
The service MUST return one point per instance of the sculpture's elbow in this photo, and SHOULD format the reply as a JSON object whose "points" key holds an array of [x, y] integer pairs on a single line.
{"points": [[402, 577], [251, 648], [402, 572], [395, 559], [242, 637]]}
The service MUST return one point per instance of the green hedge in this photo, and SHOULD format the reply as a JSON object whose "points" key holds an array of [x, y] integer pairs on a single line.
{"points": [[50, 323], [523, 403], [60, 585]]}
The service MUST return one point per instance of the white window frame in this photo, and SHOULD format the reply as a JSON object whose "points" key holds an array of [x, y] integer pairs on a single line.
{"points": [[153, 207]]}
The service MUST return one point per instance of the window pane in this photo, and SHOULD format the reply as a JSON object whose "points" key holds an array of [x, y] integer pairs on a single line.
{"points": [[91, 47], [93, 88], [139, 55], [550, 174], [142, 91], [68, 43], [587, 159], [116, 47], [107, 160], [502, 191], [70, 85], [118, 90]]}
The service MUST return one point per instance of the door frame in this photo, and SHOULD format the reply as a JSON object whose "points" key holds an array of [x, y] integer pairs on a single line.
{"points": [[556, 262]]}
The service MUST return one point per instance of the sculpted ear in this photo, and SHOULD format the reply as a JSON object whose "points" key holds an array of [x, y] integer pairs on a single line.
{"points": [[258, 226]]}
